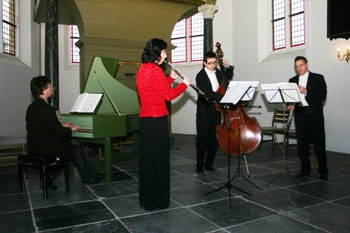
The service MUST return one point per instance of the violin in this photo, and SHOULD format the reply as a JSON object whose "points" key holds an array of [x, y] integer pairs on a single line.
{"points": [[238, 133]]}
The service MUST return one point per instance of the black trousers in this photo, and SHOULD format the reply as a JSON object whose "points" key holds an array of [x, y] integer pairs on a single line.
{"points": [[207, 143], [309, 126], [154, 163], [81, 162]]}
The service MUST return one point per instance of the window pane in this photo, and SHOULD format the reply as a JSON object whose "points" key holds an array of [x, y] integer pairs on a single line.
{"points": [[179, 53], [278, 9], [8, 27], [297, 23], [278, 24], [297, 6], [197, 24], [179, 29], [197, 38], [178, 39], [279, 34], [74, 37], [197, 48]]}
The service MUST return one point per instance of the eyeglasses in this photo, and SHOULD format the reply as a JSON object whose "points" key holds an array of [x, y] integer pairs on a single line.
{"points": [[211, 63]]}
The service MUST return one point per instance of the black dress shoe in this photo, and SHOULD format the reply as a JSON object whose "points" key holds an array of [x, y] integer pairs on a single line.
{"points": [[199, 169], [210, 168], [324, 176], [301, 175]]}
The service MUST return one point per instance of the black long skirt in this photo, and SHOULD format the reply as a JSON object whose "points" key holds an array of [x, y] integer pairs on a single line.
{"points": [[154, 173]]}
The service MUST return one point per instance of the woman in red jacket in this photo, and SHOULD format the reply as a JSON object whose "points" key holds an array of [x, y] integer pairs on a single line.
{"points": [[154, 90]]}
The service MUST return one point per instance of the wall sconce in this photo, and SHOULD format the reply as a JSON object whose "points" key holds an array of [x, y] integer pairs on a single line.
{"points": [[345, 56]]}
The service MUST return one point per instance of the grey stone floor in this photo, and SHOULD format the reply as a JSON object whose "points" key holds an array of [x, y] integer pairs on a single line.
{"points": [[268, 200]]}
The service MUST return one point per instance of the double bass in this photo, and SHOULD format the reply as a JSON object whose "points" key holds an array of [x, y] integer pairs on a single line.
{"points": [[238, 133]]}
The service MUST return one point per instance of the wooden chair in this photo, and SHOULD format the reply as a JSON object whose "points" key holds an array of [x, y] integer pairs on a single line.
{"points": [[279, 122], [44, 165]]}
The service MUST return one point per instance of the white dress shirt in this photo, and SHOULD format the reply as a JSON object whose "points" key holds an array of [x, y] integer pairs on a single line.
{"points": [[303, 82], [213, 80]]}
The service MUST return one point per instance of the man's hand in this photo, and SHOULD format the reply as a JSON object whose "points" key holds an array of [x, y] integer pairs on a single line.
{"points": [[71, 126], [302, 90], [74, 127]]}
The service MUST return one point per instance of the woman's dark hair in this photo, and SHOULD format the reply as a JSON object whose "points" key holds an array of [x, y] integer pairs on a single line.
{"points": [[38, 85], [151, 53]]}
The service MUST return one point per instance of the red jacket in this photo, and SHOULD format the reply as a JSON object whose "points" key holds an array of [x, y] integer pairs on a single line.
{"points": [[154, 89]]}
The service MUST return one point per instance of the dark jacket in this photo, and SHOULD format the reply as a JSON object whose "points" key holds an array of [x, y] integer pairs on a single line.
{"points": [[203, 83], [46, 135], [316, 90]]}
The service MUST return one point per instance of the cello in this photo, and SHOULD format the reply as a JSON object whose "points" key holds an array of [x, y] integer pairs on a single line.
{"points": [[238, 133]]}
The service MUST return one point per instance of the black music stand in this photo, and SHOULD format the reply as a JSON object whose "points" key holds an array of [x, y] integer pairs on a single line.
{"points": [[240, 93], [283, 93]]}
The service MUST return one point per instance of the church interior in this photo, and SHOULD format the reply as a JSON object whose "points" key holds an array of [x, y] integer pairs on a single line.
{"points": [[253, 192]]}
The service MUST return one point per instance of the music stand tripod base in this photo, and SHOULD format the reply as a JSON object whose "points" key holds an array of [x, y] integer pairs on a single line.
{"points": [[239, 172], [285, 168]]}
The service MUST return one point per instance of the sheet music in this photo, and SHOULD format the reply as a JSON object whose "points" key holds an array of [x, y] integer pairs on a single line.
{"points": [[235, 92], [86, 103], [251, 91], [271, 91], [290, 92], [283, 92]]}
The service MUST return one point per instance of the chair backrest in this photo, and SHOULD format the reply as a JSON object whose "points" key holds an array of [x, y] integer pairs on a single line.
{"points": [[280, 118]]}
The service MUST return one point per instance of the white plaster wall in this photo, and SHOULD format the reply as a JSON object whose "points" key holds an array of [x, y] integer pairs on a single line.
{"points": [[245, 44], [15, 75]]}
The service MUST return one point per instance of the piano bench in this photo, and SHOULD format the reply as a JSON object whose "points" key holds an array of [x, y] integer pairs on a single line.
{"points": [[44, 165]]}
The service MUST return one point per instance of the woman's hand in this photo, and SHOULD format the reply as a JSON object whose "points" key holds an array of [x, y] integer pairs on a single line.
{"points": [[173, 75], [187, 81]]}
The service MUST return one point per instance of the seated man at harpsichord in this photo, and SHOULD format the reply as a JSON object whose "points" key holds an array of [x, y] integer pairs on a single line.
{"points": [[48, 137]]}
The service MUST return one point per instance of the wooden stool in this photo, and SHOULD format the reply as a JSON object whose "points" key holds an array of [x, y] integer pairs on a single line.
{"points": [[43, 166]]}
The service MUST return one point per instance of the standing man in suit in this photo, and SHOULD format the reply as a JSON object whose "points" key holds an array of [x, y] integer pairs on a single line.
{"points": [[309, 119], [208, 79]]}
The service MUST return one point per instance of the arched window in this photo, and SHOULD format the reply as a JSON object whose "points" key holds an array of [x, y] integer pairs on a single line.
{"points": [[188, 36]]}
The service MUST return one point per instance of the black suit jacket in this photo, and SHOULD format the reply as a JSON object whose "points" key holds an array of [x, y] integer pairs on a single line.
{"points": [[45, 133], [316, 90], [203, 83]]}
